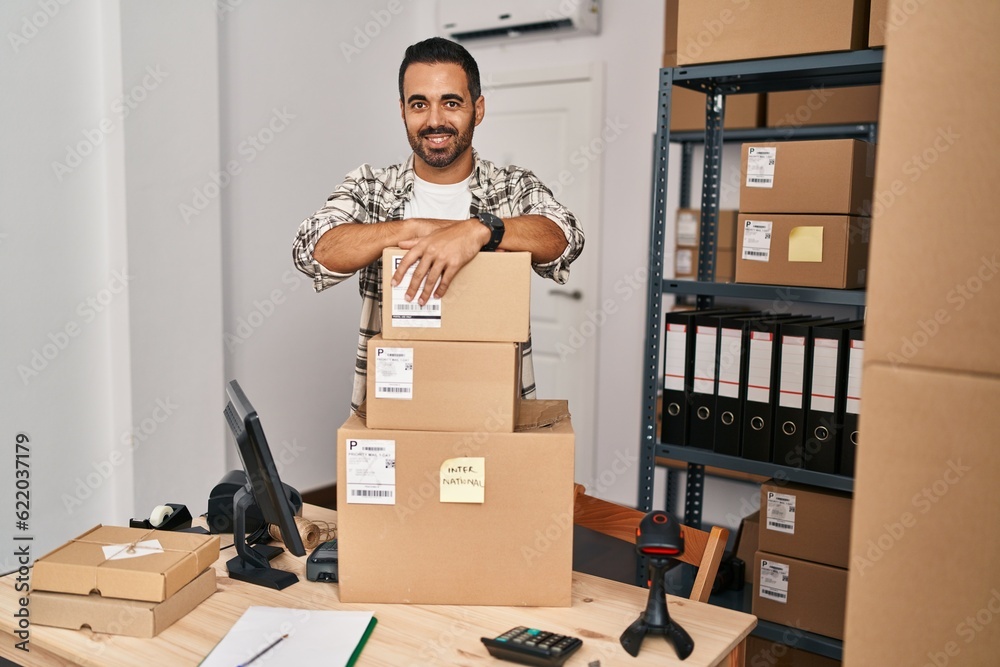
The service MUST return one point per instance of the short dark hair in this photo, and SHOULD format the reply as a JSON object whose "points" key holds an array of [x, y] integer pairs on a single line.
{"points": [[439, 50]]}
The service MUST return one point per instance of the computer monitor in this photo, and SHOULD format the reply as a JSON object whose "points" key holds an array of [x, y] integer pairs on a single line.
{"points": [[263, 487]]}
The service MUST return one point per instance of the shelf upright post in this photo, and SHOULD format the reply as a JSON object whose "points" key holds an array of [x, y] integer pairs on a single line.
{"points": [[687, 162]]}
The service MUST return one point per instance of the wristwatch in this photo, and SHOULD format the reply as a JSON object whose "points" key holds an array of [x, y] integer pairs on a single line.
{"points": [[495, 225]]}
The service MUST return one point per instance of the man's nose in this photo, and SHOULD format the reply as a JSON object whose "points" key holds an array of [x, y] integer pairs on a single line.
{"points": [[435, 116]]}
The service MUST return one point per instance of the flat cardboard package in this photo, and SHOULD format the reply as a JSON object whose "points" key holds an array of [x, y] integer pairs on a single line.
{"points": [[878, 23], [481, 518], [761, 652], [687, 111], [120, 617], [803, 250], [805, 522], [442, 386], [823, 106], [746, 543], [99, 560], [925, 495], [489, 300], [823, 176], [707, 31], [801, 594]]}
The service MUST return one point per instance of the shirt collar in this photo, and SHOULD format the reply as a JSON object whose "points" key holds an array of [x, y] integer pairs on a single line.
{"points": [[478, 185]]}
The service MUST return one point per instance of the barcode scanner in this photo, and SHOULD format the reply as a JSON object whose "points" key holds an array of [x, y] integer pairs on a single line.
{"points": [[659, 537]]}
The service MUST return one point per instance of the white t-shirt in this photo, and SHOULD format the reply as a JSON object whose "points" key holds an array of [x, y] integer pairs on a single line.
{"points": [[444, 202]]}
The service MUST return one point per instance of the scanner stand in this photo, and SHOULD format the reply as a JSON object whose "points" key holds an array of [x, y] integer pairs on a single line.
{"points": [[656, 619], [251, 564]]}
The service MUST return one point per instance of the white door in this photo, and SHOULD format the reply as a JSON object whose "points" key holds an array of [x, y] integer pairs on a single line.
{"points": [[550, 122]]}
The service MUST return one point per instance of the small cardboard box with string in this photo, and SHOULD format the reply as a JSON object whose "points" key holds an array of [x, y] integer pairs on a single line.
{"points": [[130, 581]]}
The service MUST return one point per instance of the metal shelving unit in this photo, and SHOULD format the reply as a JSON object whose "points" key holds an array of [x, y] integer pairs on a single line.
{"points": [[717, 81]]}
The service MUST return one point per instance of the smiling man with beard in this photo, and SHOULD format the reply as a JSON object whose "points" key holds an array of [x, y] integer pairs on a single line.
{"points": [[443, 205]]}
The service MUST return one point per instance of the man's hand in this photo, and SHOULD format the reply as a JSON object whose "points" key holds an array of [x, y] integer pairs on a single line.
{"points": [[440, 254]]}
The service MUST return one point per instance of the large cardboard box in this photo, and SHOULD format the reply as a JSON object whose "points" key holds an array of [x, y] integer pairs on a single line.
{"points": [[746, 543], [442, 386], [824, 176], [103, 560], [489, 300], [804, 250], [132, 618], [823, 106], [482, 518], [761, 652], [687, 111], [805, 522], [707, 31], [925, 496], [801, 594], [878, 23]]}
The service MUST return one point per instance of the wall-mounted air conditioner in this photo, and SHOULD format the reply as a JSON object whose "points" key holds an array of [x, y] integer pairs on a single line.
{"points": [[494, 21]]}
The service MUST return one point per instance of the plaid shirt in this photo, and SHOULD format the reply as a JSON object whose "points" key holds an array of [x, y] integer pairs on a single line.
{"points": [[370, 195]]}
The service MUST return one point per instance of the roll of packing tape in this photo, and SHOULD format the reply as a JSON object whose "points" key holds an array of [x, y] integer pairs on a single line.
{"points": [[159, 515]]}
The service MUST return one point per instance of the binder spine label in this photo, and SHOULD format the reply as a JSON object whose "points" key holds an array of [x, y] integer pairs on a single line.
{"points": [[824, 374], [704, 360], [855, 359], [793, 371], [729, 362], [773, 581], [780, 512], [759, 371], [674, 355], [757, 240]]}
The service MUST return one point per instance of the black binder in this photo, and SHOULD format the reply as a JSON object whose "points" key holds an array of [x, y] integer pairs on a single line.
{"points": [[678, 367], [852, 401], [791, 400], [755, 441], [827, 390]]}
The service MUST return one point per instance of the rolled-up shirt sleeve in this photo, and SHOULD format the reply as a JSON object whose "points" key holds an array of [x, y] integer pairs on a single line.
{"points": [[346, 204], [534, 198]]}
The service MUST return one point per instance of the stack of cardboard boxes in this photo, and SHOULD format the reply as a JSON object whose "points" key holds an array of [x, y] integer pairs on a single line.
{"points": [[450, 489], [123, 581], [688, 240], [804, 208]]}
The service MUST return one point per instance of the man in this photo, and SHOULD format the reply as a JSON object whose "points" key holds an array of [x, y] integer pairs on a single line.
{"points": [[443, 205]]}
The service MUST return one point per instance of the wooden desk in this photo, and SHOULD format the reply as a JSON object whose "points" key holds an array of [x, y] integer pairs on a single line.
{"points": [[406, 635]]}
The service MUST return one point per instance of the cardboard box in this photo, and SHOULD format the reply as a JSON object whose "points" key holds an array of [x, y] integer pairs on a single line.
{"points": [[806, 522], [689, 228], [442, 386], [83, 565], [823, 106], [878, 23], [489, 300], [825, 176], [707, 31], [801, 594], [925, 494], [804, 250], [773, 654], [746, 543], [686, 264], [515, 548], [687, 111], [132, 618]]}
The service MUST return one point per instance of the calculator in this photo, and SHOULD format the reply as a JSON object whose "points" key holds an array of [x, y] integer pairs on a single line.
{"points": [[531, 646]]}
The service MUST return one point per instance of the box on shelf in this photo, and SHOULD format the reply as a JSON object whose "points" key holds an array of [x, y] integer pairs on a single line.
{"points": [[801, 594], [805, 522], [479, 518], [878, 23], [773, 654], [823, 106], [687, 111], [746, 542], [101, 560], [687, 241], [489, 300], [803, 250], [132, 618], [709, 31], [823, 176], [442, 386], [686, 264]]}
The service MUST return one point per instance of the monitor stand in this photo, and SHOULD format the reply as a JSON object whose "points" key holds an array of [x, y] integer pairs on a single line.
{"points": [[251, 564]]}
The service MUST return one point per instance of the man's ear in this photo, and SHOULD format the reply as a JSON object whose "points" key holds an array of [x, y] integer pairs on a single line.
{"points": [[480, 109], [402, 111]]}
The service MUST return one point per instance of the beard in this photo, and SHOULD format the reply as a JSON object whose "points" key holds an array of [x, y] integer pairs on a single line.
{"points": [[444, 156]]}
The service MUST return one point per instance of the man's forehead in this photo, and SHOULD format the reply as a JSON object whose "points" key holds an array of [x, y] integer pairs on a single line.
{"points": [[435, 80]]}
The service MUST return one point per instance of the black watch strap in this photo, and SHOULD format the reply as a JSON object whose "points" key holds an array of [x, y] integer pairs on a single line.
{"points": [[495, 225]]}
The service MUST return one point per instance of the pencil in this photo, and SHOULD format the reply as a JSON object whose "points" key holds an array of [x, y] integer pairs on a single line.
{"points": [[268, 648]]}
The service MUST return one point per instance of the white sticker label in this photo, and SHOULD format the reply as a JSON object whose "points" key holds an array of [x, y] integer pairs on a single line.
{"points": [[371, 472], [759, 370], [760, 166], [757, 240], [855, 361], [729, 362], [704, 360], [774, 581], [793, 371], [824, 374], [412, 314], [674, 357], [394, 372], [684, 262], [687, 229], [781, 512]]}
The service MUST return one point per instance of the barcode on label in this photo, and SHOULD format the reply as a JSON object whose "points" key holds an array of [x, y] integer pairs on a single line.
{"points": [[758, 179], [771, 523], [373, 449], [778, 595], [754, 253], [396, 390], [416, 306], [371, 493]]}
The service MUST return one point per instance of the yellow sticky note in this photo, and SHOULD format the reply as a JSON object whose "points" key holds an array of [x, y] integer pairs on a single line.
{"points": [[805, 244], [463, 480]]}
